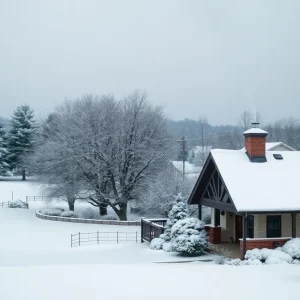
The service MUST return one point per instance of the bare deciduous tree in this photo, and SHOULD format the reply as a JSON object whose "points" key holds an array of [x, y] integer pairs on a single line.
{"points": [[115, 147]]}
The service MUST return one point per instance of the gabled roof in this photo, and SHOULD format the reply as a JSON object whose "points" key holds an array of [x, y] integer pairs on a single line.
{"points": [[273, 145], [255, 187]]}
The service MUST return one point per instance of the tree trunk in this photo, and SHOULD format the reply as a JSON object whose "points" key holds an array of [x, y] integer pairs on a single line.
{"points": [[103, 210], [122, 212], [24, 174], [71, 205]]}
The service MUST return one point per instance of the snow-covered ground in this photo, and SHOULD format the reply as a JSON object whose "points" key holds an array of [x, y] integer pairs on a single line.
{"points": [[37, 263]]}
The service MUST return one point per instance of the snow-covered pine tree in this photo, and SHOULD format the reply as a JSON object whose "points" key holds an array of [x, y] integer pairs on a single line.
{"points": [[189, 237], [21, 137], [3, 151], [179, 211]]}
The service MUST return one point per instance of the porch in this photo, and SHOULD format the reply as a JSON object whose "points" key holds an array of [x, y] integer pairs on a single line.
{"points": [[239, 233]]}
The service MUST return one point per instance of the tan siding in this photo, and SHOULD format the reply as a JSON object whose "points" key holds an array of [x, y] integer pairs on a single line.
{"points": [[260, 226], [260, 230], [228, 227], [213, 211]]}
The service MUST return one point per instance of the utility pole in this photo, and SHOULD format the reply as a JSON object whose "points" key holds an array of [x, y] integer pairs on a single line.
{"points": [[183, 143]]}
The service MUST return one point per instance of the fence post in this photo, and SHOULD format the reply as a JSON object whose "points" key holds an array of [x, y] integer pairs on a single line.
{"points": [[79, 238], [142, 231], [117, 237], [98, 237], [71, 240], [136, 236]]}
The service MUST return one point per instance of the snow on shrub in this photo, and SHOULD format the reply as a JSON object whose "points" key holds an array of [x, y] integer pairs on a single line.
{"points": [[157, 244], [251, 262], [179, 211], [50, 212], [296, 262], [167, 247], [90, 213], [278, 257], [58, 208], [260, 254], [17, 204], [292, 248], [189, 237], [69, 214]]}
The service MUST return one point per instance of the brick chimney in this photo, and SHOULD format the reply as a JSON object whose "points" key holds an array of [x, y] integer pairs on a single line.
{"points": [[255, 143]]}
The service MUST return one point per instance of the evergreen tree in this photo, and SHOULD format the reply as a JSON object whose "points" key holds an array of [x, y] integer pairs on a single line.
{"points": [[179, 211], [21, 137], [3, 151]]}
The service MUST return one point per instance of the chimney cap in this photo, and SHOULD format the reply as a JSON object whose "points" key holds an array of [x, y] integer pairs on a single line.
{"points": [[255, 132]]}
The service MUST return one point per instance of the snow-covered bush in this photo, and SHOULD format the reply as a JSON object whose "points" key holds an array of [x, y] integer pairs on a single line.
{"points": [[260, 254], [292, 248], [90, 213], [58, 208], [167, 247], [189, 237], [50, 212], [157, 244], [178, 212], [278, 257], [251, 262], [220, 259], [17, 204], [69, 214], [296, 261]]}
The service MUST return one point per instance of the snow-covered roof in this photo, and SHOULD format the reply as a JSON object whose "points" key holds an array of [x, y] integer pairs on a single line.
{"points": [[189, 168], [269, 186], [273, 146], [255, 131]]}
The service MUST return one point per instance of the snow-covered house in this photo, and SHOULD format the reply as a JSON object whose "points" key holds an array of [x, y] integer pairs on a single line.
{"points": [[277, 146], [189, 170], [254, 194]]}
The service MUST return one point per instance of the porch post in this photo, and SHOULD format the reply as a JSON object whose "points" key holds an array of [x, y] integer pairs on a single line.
{"points": [[245, 234], [294, 220], [199, 211]]}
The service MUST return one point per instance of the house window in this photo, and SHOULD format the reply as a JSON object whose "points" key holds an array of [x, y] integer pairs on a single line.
{"points": [[273, 226]]}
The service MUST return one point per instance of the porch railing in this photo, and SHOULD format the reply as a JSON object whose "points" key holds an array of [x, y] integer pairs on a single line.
{"points": [[152, 228]]}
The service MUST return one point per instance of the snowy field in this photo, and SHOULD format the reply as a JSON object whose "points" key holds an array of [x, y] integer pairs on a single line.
{"points": [[37, 263]]}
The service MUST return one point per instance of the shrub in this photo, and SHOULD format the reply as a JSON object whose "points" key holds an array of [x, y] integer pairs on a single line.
{"points": [[17, 204], [292, 248], [50, 212], [69, 214], [189, 237], [278, 257], [90, 213], [59, 208], [260, 254], [167, 247], [178, 212], [157, 244]]}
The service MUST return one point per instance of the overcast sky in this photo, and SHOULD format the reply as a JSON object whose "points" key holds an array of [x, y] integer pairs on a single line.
{"points": [[196, 58]]}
